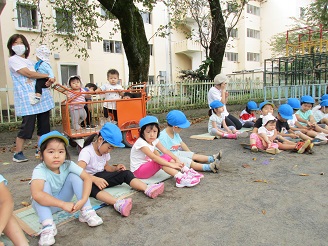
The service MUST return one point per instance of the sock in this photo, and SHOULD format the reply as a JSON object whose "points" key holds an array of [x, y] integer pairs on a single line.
{"points": [[185, 169], [86, 208], [47, 222], [253, 145], [210, 159], [225, 135], [178, 175], [206, 167]]}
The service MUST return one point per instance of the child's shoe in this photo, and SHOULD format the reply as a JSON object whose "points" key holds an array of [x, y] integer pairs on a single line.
{"points": [[192, 173], [215, 166], [47, 235], [301, 146], [273, 151], [242, 134], [154, 190], [218, 155], [90, 216], [37, 154], [309, 149], [123, 206], [254, 149], [231, 136], [186, 181]]}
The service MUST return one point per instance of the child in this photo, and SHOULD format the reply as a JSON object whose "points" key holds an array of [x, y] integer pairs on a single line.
{"points": [[110, 107], [77, 111], [94, 159], [88, 121], [303, 133], [54, 183], [266, 108], [217, 125], [171, 140], [8, 223], [42, 66], [127, 95], [145, 163], [247, 117], [320, 113], [305, 116]]}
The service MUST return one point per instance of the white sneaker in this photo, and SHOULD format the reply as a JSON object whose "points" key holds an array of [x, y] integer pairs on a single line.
{"points": [[47, 235], [186, 181], [90, 216]]}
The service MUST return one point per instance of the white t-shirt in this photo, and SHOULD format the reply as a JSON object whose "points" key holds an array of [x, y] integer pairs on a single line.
{"points": [[95, 163], [217, 119], [137, 157], [318, 114], [215, 94], [262, 129], [291, 122], [111, 96]]}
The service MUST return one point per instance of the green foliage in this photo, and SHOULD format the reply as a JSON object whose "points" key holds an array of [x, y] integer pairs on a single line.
{"points": [[198, 74]]}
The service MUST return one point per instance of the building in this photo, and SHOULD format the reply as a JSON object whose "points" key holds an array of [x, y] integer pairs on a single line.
{"points": [[246, 50]]}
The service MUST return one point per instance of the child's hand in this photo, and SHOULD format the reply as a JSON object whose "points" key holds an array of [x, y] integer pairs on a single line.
{"points": [[120, 167], [293, 135], [78, 205], [68, 207], [177, 165], [101, 183]]}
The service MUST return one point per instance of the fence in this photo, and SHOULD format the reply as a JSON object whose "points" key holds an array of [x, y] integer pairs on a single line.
{"points": [[185, 95]]}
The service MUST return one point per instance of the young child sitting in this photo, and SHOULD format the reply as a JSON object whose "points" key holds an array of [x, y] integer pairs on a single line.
{"points": [[8, 224], [217, 125], [94, 159], [42, 66], [320, 113], [171, 140], [247, 117]]}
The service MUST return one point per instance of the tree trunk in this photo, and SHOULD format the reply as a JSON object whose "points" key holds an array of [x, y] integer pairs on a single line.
{"points": [[218, 38], [133, 37]]}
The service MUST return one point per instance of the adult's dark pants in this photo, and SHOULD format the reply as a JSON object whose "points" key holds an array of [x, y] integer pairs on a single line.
{"points": [[233, 121]]}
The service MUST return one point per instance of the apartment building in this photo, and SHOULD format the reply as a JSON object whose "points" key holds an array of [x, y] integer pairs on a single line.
{"points": [[247, 47]]}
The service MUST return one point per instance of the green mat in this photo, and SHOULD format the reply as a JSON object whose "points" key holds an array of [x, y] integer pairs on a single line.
{"points": [[207, 136], [6, 240], [29, 221]]}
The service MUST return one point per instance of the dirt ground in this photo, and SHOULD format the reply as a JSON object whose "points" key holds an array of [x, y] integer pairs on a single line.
{"points": [[229, 208]]}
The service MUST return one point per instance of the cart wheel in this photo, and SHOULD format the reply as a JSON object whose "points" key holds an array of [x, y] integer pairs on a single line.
{"points": [[128, 140], [72, 143]]}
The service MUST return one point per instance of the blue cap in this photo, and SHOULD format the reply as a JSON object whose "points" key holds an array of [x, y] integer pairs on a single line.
{"points": [[324, 103], [177, 118], [307, 99], [216, 104], [324, 97], [112, 134], [148, 120], [52, 134], [294, 103], [286, 111], [262, 104], [251, 105]]}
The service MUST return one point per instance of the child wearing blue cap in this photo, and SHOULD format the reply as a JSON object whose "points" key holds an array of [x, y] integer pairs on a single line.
{"points": [[266, 108], [145, 161], [217, 125], [171, 140], [8, 223], [54, 183], [94, 159], [320, 113], [247, 117]]}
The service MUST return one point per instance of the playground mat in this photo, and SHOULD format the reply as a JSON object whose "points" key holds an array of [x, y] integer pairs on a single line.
{"points": [[29, 221], [207, 136]]}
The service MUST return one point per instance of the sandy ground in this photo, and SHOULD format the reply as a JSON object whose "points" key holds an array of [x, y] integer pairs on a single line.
{"points": [[229, 208]]}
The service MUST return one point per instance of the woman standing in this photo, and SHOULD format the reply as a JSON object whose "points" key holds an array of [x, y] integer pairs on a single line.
{"points": [[219, 92], [23, 76]]}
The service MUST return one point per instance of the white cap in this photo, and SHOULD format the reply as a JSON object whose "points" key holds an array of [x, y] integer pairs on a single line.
{"points": [[220, 78], [267, 118], [43, 53]]}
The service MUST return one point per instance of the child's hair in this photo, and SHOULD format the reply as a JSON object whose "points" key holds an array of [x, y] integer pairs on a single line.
{"points": [[151, 125], [112, 71], [74, 77], [270, 121], [91, 85], [210, 112], [44, 145], [128, 94]]}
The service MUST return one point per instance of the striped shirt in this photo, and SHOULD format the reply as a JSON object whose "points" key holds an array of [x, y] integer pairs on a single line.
{"points": [[23, 87], [80, 99]]}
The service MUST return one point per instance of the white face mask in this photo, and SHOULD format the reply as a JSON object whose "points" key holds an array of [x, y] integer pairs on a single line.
{"points": [[19, 49]]}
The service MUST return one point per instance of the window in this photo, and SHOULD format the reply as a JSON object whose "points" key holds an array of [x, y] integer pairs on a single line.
{"points": [[251, 33], [145, 17], [66, 72], [64, 21], [253, 56], [27, 16], [151, 49], [251, 9], [151, 79], [234, 33], [112, 46], [231, 56]]}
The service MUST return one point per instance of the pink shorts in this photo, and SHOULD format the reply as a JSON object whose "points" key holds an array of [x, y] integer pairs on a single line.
{"points": [[149, 169], [258, 142]]}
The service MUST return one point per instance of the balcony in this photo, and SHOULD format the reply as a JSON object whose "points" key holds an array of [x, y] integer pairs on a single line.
{"points": [[187, 47]]}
